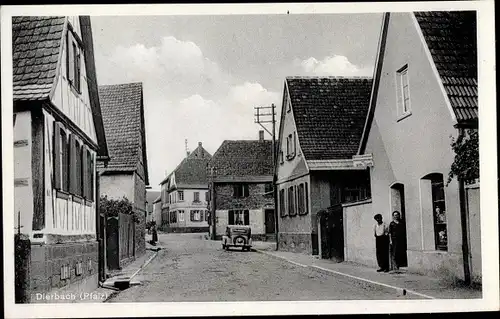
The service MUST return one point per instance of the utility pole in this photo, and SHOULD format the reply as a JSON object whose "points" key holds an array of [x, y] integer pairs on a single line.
{"points": [[262, 118]]}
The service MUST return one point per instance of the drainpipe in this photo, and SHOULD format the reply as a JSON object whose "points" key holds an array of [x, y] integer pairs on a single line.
{"points": [[463, 219]]}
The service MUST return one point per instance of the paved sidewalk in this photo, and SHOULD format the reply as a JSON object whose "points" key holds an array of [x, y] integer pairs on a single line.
{"points": [[420, 286], [128, 272]]}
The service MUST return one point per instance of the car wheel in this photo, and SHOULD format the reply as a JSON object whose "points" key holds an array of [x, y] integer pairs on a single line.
{"points": [[239, 240]]}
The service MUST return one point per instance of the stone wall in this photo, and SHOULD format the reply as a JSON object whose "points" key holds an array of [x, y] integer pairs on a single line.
{"points": [[47, 262], [255, 199], [295, 242]]}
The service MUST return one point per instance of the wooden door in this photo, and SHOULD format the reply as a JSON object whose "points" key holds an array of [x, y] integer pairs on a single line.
{"points": [[270, 221]]}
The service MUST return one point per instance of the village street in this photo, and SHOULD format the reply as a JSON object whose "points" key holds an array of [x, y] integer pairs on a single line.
{"points": [[190, 268]]}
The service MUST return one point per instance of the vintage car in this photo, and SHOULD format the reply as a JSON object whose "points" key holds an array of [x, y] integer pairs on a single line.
{"points": [[237, 236]]}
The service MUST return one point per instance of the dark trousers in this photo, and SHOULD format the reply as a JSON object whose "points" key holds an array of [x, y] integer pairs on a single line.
{"points": [[382, 250]]}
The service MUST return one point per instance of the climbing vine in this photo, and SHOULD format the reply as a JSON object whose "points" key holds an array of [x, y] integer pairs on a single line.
{"points": [[465, 166]]}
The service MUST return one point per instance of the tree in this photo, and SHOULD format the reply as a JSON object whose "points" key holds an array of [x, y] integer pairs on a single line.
{"points": [[465, 166]]}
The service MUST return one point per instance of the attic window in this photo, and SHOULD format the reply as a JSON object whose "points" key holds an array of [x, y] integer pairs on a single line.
{"points": [[291, 142], [73, 61], [403, 92]]}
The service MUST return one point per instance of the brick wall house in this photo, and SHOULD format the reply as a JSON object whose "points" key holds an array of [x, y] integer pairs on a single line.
{"points": [[240, 181]]}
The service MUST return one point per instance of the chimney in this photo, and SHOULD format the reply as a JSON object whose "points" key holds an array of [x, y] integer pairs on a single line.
{"points": [[200, 144], [261, 135]]}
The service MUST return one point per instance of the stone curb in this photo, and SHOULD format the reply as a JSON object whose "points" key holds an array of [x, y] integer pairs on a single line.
{"points": [[115, 292], [399, 290]]}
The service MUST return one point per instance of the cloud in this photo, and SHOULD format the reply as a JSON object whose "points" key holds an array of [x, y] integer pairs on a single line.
{"points": [[200, 119], [333, 65], [186, 96]]}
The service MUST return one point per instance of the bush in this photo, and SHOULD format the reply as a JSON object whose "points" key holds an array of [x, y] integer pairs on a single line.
{"points": [[113, 207], [465, 166]]}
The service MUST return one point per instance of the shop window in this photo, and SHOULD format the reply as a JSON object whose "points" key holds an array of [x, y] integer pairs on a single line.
{"points": [[439, 211]]}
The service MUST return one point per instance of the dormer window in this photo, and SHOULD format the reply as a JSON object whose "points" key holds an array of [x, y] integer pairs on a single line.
{"points": [[73, 65]]}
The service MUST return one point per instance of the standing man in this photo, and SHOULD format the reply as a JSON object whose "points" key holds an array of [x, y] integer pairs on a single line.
{"points": [[381, 232]]}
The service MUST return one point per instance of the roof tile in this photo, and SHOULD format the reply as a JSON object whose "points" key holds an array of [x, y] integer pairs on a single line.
{"points": [[121, 107], [451, 38], [36, 43], [329, 114], [243, 158]]}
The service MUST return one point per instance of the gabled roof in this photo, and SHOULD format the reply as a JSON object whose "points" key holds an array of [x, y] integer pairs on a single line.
{"points": [[243, 158], [36, 44], [192, 170], [123, 116], [452, 42], [36, 59], [329, 114]]}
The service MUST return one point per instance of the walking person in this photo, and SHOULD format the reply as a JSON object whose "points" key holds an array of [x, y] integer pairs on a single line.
{"points": [[381, 233], [397, 236]]}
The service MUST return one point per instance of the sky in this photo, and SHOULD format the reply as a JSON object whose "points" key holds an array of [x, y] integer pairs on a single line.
{"points": [[203, 75]]}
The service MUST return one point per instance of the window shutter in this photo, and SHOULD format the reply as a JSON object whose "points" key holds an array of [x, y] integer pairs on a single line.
{"points": [[294, 143], [72, 164], [246, 217], [231, 217], [235, 191], [91, 173], [85, 172], [57, 155], [245, 190], [77, 69], [79, 152], [306, 194], [192, 216], [71, 56], [206, 215]]}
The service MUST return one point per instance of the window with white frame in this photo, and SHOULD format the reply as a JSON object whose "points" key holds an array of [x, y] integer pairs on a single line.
{"points": [[238, 217], [196, 216], [403, 92], [240, 190], [196, 196], [181, 196], [181, 215]]}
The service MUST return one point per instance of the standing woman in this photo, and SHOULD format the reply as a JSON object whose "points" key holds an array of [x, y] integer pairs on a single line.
{"points": [[397, 236]]}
